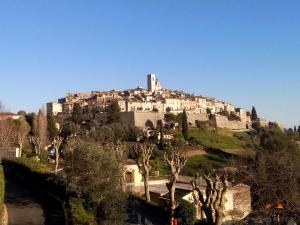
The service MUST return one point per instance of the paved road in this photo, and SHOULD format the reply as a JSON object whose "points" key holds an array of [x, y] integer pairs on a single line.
{"points": [[30, 207]]}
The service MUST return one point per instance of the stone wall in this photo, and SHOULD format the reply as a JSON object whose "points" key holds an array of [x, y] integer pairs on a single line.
{"points": [[242, 200], [219, 121], [146, 120], [192, 118]]}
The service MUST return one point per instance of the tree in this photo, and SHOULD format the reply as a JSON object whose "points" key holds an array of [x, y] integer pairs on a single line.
{"points": [[77, 115], [94, 174], [23, 129], [2, 108], [57, 142], [113, 113], [212, 200], [298, 129], [35, 141], [273, 174], [52, 129], [175, 162], [295, 128], [254, 116], [39, 129], [160, 127], [168, 110], [8, 133], [185, 125], [143, 153]]}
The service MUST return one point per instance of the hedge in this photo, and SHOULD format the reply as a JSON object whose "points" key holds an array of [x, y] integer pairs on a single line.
{"points": [[185, 213], [2, 188]]}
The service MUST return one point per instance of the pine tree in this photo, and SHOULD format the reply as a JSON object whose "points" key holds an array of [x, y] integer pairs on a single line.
{"points": [[254, 114], [185, 126]]}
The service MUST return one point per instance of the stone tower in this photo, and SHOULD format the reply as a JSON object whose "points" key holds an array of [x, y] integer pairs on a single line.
{"points": [[151, 82]]}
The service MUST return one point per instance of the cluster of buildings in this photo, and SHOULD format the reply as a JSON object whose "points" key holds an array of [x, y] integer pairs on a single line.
{"points": [[154, 98]]}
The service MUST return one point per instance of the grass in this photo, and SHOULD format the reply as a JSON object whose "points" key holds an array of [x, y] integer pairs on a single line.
{"points": [[221, 139], [205, 164], [202, 164], [221, 146]]}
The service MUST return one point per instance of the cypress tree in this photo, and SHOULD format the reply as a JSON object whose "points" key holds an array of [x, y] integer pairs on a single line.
{"points": [[185, 126], [113, 113], [52, 130], [254, 114], [160, 126], [77, 114]]}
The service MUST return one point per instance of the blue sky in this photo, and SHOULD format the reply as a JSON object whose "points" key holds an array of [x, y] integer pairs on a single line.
{"points": [[246, 52]]}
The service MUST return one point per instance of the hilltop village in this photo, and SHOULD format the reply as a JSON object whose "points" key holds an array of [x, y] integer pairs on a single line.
{"points": [[143, 108]]}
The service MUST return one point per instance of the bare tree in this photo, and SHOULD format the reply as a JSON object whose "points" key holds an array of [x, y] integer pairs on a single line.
{"points": [[57, 142], [211, 200], [175, 161], [143, 152], [36, 143], [23, 129], [8, 132], [40, 128], [2, 108]]}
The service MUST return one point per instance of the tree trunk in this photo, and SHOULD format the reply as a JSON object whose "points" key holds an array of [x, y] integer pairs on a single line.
{"points": [[56, 161], [172, 202], [20, 149], [146, 185]]}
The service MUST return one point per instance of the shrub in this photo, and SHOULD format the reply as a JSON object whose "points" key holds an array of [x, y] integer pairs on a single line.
{"points": [[185, 212], [79, 215], [28, 152]]}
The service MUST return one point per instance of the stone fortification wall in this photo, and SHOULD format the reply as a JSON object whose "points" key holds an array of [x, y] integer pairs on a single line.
{"points": [[219, 121]]}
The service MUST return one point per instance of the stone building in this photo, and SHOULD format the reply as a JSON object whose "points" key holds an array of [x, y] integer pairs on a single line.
{"points": [[8, 115], [54, 108]]}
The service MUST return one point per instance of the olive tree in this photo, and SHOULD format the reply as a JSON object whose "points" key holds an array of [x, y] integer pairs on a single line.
{"points": [[175, 161], [143, 153]]}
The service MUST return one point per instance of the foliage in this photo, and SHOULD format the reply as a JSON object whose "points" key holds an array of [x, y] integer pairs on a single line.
{"points": [[170, 117], [274, 174], [28, 152], [79, 215], [185, 212], [2, 188], [185, 125], [94, 174], [254, 114], [233, 117], [77, 115], [160, 128], [52, 130], [113, 115]]}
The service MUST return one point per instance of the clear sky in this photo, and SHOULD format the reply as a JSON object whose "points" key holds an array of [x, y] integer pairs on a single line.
{"points": [[245, 51]]}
